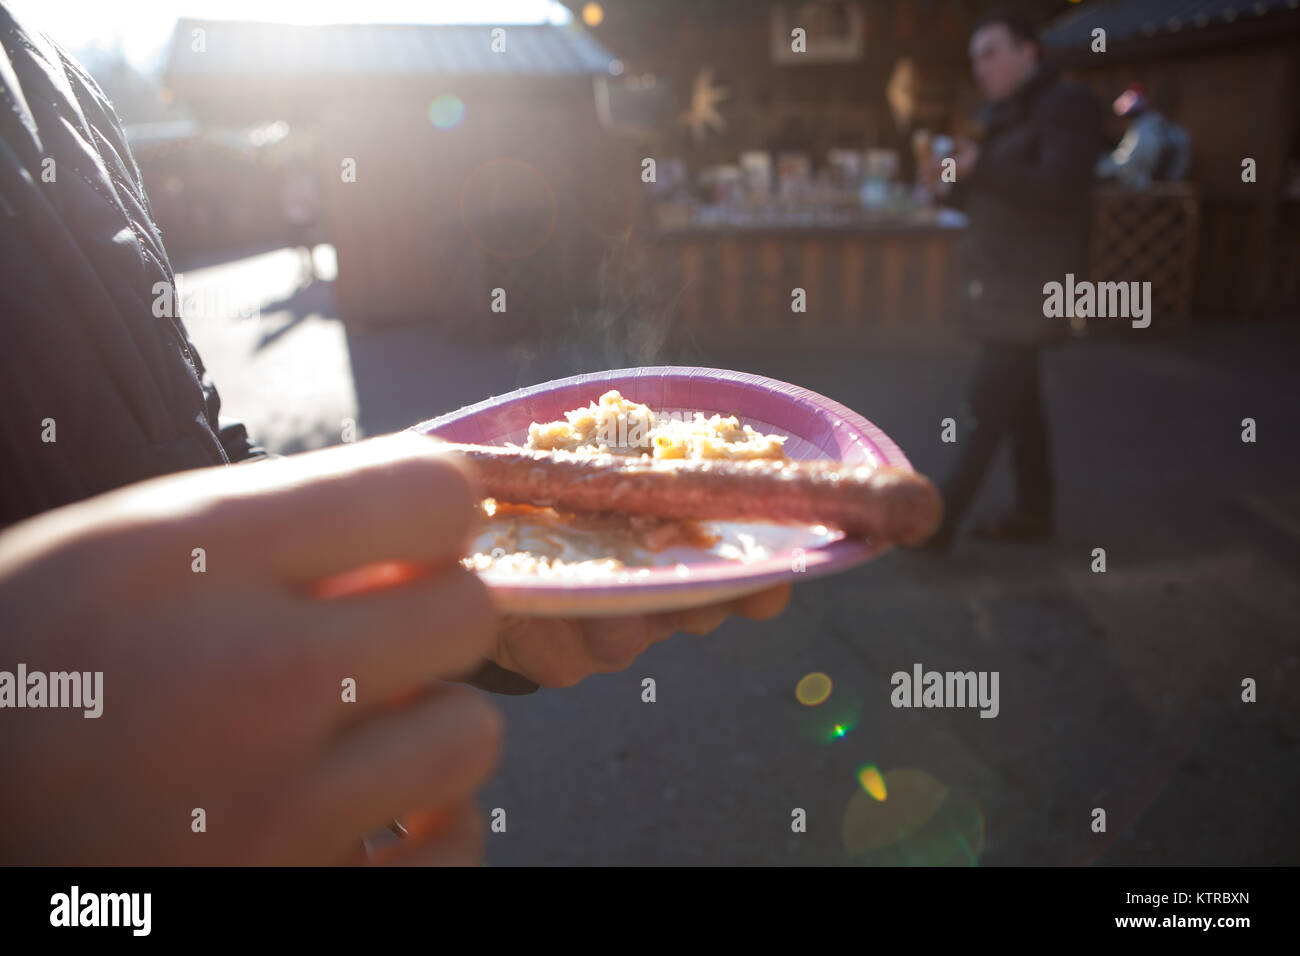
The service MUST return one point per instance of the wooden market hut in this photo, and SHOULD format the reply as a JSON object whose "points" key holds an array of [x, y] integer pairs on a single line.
{"points": [[1229, 72], [834, 95], [452, 160]]}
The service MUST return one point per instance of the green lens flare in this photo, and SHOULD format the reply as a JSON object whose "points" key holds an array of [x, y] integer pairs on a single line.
{"points": [[840, 730], [923, 823], [447, 111]]}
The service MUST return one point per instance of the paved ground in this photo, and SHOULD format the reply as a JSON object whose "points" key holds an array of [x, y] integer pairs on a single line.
{"points": [[1119, 690]]}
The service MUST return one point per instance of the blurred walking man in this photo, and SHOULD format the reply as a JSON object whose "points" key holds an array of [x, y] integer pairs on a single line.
{"points": [[1025, 188]]}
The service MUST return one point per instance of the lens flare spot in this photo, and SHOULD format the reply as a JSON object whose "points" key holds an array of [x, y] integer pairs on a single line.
{"points": [[447, 111], [813, 689], [872, 781], [924, 823], [593, 14]]}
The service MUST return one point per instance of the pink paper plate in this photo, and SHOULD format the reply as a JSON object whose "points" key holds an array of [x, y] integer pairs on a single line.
{"points": [[816, 428]]}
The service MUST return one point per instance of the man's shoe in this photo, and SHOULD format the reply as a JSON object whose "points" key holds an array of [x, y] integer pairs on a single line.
{"points": [[1016, 526]]}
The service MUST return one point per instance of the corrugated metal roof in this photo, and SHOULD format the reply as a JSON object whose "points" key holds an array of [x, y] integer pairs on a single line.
{"points": [[232, 48], [1125, 20]]}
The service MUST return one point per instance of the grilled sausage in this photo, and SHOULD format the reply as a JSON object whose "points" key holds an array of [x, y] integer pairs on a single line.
{"points": [[890, 503]]}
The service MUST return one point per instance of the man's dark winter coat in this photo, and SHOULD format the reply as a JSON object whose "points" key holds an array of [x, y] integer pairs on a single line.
{"points": [[1029, 208]]}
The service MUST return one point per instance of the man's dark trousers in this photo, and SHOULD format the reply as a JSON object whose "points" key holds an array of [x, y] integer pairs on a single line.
{"points": [[1006, 401]]}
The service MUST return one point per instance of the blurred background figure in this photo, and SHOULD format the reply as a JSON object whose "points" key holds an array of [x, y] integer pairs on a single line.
{"points": [[1025, 188], [302, 211], [1153, 148]]}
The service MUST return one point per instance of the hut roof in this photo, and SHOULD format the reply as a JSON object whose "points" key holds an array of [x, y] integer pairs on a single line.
{"points": [[1133, 22], [279, 50]]}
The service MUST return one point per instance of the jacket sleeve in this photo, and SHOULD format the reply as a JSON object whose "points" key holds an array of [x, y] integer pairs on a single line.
{"points": [[232, 436], [1069, 124], [101, 387], [238, 445]]}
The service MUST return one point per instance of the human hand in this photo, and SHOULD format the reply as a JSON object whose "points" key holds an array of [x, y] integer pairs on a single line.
{"points": [[221, 687], [966, 155], [929, 175], [560, 652]]}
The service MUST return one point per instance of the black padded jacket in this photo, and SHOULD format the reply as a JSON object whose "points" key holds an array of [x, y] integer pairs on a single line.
{"points": [[99, 383]]}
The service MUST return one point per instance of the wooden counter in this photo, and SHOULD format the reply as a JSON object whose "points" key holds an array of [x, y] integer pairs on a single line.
{"points": [[733, 278]]}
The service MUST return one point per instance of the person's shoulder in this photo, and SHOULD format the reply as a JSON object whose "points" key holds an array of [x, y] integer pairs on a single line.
{"points": [[1064, 94], [1063, 99], [34, 54]]}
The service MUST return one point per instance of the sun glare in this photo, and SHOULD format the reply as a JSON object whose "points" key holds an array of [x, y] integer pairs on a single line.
{"points": [[142, 28]]}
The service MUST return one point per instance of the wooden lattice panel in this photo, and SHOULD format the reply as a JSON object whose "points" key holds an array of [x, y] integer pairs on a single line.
{"points": [[1147, 236]]}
